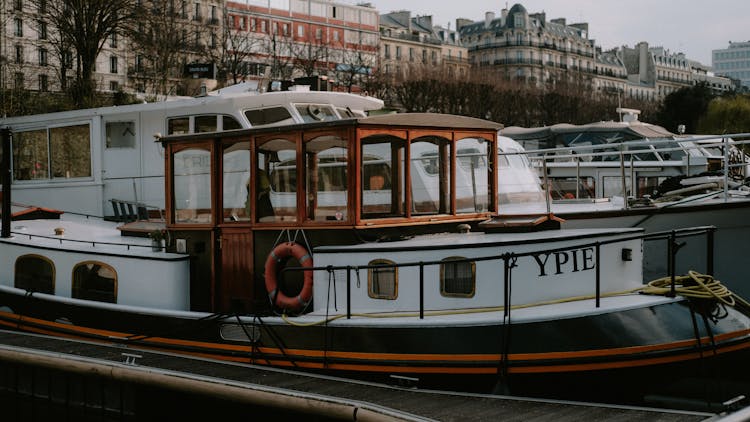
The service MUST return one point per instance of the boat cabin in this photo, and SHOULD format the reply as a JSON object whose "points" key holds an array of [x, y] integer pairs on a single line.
{"points": [[232, 197]]}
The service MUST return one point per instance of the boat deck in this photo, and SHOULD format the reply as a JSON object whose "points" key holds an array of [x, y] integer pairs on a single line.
{"points": [[317, 395]]}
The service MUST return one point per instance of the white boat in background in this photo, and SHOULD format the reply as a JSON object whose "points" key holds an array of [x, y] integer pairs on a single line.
{"points": [[106, 161], [360, 268], [587, 182]]}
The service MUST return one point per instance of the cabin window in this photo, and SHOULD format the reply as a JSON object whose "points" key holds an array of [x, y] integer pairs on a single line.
{"points": [[70, 148], [230, 123], [35, 273], [276, 181], [382, 280], [649, 185], [178, 126], [473, 191], [268, 116], [316, 112], [236, 185], [59, 152], [567, 188], [205, 124], [94, 280], [613, 186], [30, 155], [120, 134], [192, 186], [326, 161], [383, 176], [457, 277], [430, 175]]}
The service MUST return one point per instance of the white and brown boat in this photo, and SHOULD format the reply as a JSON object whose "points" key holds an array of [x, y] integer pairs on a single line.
{"points": [[369, 247]]}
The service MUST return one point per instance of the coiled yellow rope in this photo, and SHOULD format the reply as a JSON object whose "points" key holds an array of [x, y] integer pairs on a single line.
{"points": [[692, 285]]}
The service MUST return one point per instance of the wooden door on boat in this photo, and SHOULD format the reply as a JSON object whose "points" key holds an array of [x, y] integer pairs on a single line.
{"points": [[234, 290]]}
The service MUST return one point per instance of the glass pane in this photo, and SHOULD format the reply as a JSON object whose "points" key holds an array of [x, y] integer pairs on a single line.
{"points": [[430, 176], [316, 113], [613, 186], [565, 187], [326, 165], [383, 193], [70, 148], [120, 134], [267, 116], [457, 278], [236, 185], [35, 273], [472, 175], [30, 155], [178, 126], [276, 181], [230, 123], [205, 124], [383, 282], [95, 281], [192, 186]]}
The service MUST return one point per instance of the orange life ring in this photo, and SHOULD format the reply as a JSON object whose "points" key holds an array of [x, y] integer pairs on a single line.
{"points": [[277, 255]]}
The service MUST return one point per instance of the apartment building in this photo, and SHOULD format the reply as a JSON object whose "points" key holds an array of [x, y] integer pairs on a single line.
{"points": [[527, 46], [733, 62], [304, 37], [408, 44]]}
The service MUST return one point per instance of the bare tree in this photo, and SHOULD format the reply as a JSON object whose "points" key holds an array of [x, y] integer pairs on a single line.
{"points": [[354, 68], [235, 46], [85, 25], [278, 48]]}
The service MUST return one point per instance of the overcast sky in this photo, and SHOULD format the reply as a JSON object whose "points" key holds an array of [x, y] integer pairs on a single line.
{"points": [[689, 26]]}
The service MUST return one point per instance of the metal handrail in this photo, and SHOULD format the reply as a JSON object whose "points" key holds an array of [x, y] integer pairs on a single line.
{"points": [[671, 235]]}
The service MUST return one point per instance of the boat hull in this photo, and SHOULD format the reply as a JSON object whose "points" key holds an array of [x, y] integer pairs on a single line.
{"points": [[600, 355]]}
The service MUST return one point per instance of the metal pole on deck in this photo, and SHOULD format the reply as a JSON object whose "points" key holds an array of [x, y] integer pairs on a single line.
{"points": [[5, 165], [726, 167]]}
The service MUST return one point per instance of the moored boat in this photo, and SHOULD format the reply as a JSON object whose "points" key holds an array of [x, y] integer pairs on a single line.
{"points": [[332, 254]]}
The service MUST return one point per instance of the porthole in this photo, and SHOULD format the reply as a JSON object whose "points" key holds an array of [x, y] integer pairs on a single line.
{"points": [[93, 280]]}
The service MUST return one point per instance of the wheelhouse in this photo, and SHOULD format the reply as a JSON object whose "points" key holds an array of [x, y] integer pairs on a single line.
{"points": [[232, 195]]}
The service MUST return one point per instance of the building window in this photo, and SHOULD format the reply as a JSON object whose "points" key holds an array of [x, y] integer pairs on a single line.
{"points": [[411, 54], [457, 277], [336, 36], [19, 54], [318, 34], [113, 64], [43, 83], [197, 15], [113, 40], [382, 281], [398, 52], [18, 27], [300, 31], [18, 5], [42, 30], [34, 273], [93, 280], [68, 59], [42, 57], [18, 80]]}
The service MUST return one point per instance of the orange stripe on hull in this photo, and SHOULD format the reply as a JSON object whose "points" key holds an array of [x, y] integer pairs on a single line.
{"points": [[395, 362]]}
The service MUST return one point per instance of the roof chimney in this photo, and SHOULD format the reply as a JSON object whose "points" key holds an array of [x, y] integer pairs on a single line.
{"points": [[488, 18]]}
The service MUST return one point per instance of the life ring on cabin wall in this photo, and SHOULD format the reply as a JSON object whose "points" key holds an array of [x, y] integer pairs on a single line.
{"points": [[276, 257]]}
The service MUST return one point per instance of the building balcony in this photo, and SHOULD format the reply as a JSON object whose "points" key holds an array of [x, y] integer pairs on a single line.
{"points": [[531, 44]]}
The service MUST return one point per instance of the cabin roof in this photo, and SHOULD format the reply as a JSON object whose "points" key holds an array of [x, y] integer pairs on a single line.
{"points": [[636, 130], [430, 120], [412, 120]]}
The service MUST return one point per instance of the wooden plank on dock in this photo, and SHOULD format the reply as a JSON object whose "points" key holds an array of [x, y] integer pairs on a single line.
{"points": [[323, 396]]}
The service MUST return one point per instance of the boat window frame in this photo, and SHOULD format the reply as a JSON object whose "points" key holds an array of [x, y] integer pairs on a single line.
{"points": [[221, 207], [50, 151], [174, 149], [346, 136], [372, 271], [443, 282], [293, 137], [73, 280], [40, 258]]}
